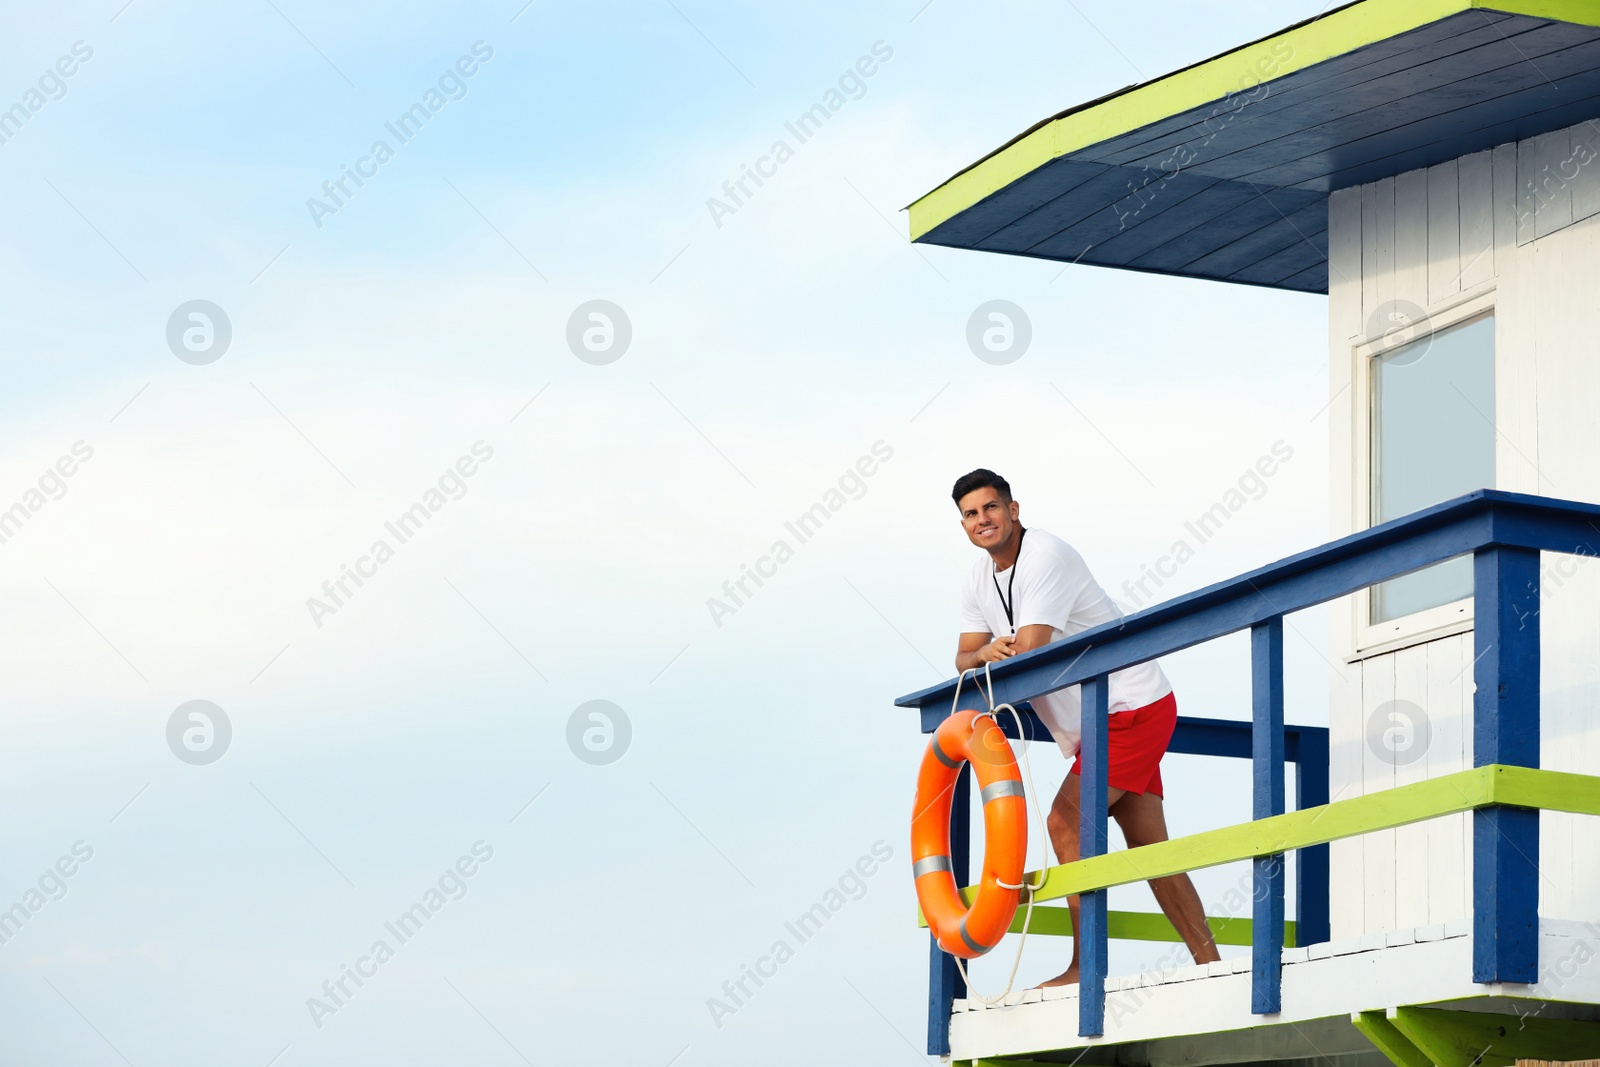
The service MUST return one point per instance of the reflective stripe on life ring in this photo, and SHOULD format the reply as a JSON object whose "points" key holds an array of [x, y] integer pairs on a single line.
{"points": [[969, 737]]}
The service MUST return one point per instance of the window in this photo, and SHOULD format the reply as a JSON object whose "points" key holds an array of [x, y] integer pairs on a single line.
{"points": [[1433, 439]]}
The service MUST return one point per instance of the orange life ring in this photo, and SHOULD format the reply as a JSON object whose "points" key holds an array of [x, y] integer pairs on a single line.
{"points": [[969, 737]]}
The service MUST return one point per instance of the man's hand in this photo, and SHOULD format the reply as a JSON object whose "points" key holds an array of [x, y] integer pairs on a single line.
{"points": [[998, 649], [977, 649]]}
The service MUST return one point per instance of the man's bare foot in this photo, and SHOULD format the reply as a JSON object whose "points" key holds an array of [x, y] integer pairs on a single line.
{"points": [[1067, 977]]}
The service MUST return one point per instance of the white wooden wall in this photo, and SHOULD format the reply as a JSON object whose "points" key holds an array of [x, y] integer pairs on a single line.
{"points": [[1436, 237]]}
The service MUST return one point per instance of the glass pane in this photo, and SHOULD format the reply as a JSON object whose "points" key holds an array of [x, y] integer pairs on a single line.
{"points": [[1442, 583], [1434, 439]]}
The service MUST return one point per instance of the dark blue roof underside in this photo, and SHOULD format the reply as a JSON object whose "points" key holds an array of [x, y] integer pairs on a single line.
{"points": [[1243, 197]]}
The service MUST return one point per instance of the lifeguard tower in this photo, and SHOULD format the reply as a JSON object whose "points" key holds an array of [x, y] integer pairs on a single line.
{"points": [[1434, 167]]}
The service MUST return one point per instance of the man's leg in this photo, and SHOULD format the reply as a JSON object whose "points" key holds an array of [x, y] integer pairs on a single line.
{"points": [[1144, 822], [1063, 824]]}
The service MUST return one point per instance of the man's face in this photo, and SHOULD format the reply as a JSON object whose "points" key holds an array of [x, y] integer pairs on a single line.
{"points": [[987, 518]]}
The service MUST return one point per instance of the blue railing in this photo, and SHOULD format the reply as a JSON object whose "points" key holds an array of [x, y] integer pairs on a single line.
{"points": [[1504, 532]]}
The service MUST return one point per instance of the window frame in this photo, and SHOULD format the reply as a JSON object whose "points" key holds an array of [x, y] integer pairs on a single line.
{"points": [[1372, 639]]}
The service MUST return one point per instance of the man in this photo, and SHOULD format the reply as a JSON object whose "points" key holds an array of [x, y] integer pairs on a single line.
{"points": [[1032, 589]]}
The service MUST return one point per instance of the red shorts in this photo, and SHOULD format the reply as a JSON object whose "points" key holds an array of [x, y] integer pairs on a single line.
{"points": [[1136, 741]]}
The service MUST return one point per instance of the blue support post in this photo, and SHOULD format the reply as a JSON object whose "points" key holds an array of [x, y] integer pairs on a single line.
{"points": [[1266, 735], [1311, 926], [1505, 729], [1093, 941], [944, 979]]}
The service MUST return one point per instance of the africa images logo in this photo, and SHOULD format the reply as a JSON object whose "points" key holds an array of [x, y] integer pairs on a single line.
{"points": [[1399, 732], [199, 732], [452, 85], [599, 732]]}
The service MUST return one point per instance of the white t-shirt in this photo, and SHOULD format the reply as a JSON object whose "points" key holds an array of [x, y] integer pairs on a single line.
{"points": [[1054, 588]]}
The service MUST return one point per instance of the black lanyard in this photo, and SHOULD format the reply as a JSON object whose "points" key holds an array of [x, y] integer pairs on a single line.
{"points": [[1011, 584]]}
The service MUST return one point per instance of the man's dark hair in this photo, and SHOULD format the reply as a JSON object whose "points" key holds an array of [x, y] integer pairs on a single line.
{"points": [[981, 479]]}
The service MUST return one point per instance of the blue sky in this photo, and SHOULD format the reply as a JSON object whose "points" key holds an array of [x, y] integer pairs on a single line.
{"points": [[370, 753]]}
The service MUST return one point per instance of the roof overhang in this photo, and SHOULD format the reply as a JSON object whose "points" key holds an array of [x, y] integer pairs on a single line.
{"points": [[1222, 170]]}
